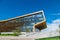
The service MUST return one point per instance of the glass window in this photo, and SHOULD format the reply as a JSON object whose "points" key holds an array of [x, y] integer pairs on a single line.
{"points": [[28, 23], [39, 17]]}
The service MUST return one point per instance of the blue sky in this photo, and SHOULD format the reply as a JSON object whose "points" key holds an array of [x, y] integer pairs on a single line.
{"points": [[13, 8]]}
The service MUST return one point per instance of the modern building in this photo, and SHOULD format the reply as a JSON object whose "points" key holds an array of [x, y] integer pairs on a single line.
{"points": [[31, 22]]}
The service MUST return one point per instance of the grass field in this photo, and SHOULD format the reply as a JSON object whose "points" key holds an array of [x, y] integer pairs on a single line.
{"points": [[50, 38], [8, 35]]}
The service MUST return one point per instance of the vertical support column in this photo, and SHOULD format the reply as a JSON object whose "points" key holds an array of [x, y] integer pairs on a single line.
{"points": [[44, 16], [34, 29]]}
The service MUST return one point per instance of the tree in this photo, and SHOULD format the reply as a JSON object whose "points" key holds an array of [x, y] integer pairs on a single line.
{"points": [[27, 30], [17, 31], [59, 28]]}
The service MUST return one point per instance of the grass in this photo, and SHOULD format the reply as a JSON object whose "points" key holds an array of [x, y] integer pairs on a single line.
{"points": [[8, 35], [50, 38]]}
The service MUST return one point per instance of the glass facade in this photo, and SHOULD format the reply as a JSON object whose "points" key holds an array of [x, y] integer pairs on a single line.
{"points": [[29, 21], [25, 23]]}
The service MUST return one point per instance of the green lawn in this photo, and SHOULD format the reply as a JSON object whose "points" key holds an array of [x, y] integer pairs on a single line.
{"points": [[50, 38], [8, 35]]}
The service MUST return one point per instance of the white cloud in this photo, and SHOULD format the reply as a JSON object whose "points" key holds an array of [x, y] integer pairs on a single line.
{"points": [[53, 26], [56, 21], [56, 14]]}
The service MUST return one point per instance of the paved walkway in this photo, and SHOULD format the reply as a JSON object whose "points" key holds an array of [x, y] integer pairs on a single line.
{"points": [[31, 36], [15, 38]]}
